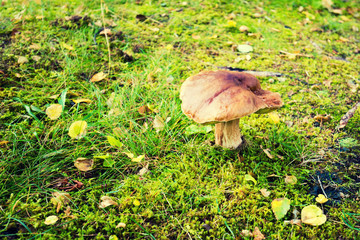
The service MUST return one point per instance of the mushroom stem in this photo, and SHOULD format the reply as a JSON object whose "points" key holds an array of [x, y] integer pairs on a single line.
{"points": [[227, 134]]}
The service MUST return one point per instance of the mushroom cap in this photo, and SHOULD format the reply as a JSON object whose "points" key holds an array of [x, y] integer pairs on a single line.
{"points": [[222, 96]]}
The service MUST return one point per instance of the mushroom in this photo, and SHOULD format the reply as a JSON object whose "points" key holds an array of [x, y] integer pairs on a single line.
{"points": [[222, 97]]}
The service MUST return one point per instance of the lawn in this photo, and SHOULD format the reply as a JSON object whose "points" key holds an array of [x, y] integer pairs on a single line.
{"points": [[137, 167]]}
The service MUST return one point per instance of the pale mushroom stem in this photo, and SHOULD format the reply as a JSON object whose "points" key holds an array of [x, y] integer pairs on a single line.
{"points": [[227, 134]]}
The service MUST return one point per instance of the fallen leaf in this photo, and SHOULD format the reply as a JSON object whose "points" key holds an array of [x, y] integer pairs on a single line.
{"points": [[54, 111], [195, 129], [196, 37], [294, 222], [121, 225], [77, 129], [248, 177], [22, 60], [98, 77], [243, 28], [230, 24], [265, 192], [84, 164], [51, 220], [155, 29], [290, 180], [114, 142], [107, 201], [322, 118], [108, 162], [312, 215], [4, 143], [345, 119], [143, 110], [81, 100], [321, 199], [280, 207], [144, 170], [133, 158], [353, 86], [274, 116], [35, 46], [106, 31], [267, 152], [36, 58], [246, 233], [244, 48], [257, 234], [66, 46], [327, 3], [113, 237], [60, 199], [138, 158], [158, 123], [136, 203]]}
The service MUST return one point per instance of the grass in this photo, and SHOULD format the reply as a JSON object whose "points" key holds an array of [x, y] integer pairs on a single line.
{"points": [[192, 189]]}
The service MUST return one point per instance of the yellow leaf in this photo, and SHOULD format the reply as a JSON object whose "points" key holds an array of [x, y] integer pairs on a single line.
{"points": [[231, 23], [50, 220], [82, 100], [84, 164], [248, 177], [290, 180], [4, 143], [22, 60], [37, 1], [77, 129], [113, 237], [129, 154], [158, 123], [136, 202], [98, 77], [138, 158], [66, 46], [169, 47], [312, 215], [54, 111], [321, 199], [107, 201], [280, 207], [121, 225], [133, 158], [274, 117], [114, 142]]}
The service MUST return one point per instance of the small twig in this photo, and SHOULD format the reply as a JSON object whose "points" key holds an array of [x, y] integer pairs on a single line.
{"points": [[322, 187]]}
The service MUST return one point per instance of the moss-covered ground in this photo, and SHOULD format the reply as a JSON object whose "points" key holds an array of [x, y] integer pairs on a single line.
{"points": [[184, 187]]}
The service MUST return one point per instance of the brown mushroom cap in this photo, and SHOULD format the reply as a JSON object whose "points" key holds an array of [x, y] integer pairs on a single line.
{"points": [[221, 96]]}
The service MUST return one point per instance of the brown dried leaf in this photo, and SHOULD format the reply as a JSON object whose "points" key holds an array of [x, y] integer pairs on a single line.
{"points": [[265, 192], [107, 201], [84, 164], [257, 234], [98, 77], [322, 118]]}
